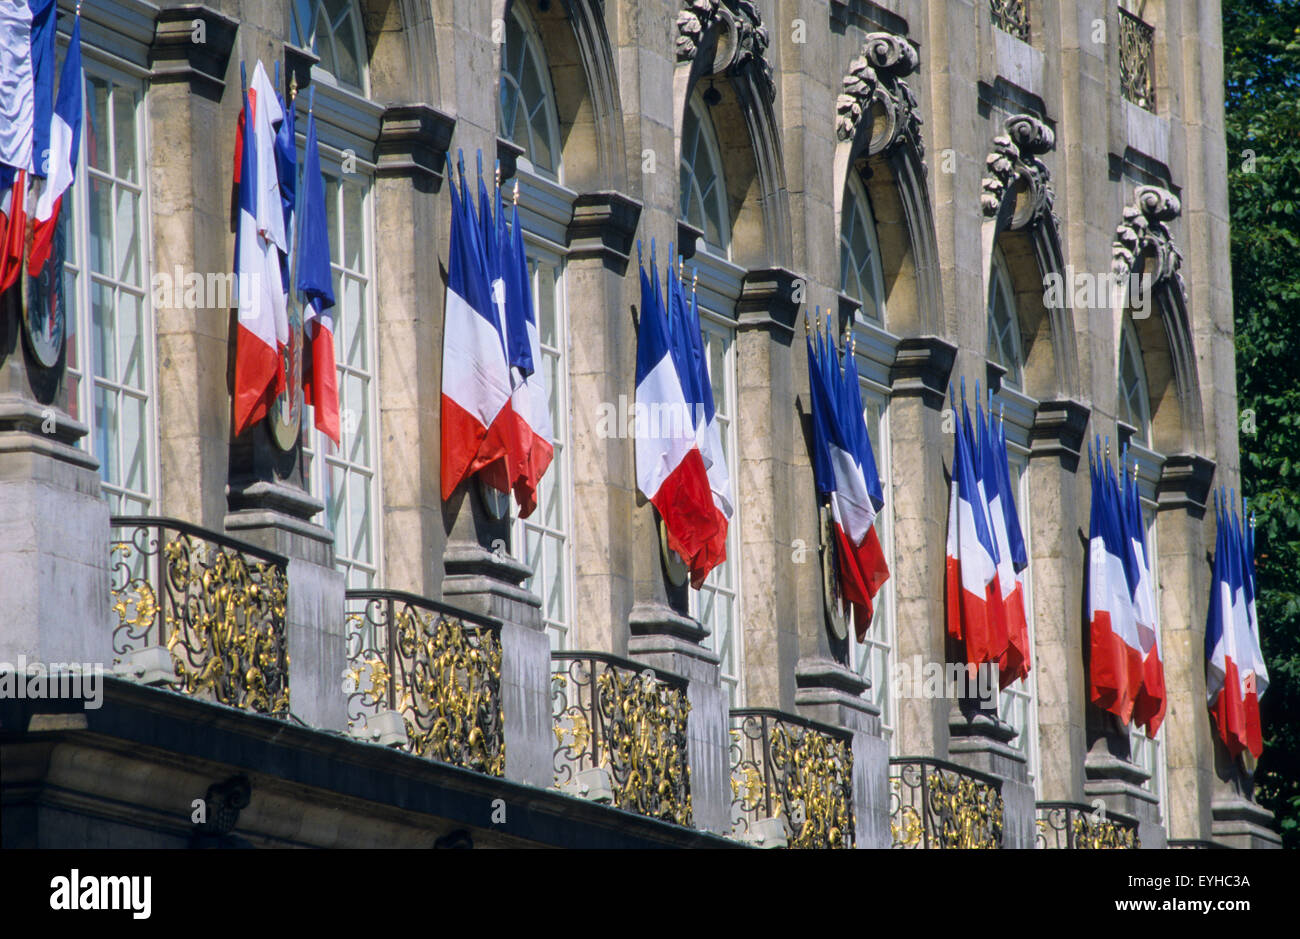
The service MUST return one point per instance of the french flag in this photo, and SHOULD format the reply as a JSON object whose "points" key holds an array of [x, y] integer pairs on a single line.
{"points": [[1012, 558], [315, 283], [1224, 681], [974, 614], [1257, 678], [263, 321], [1115, 651], [27, 51], [1149, 705], [844, 468], [670, 470], [475, 374], [688, 347], [529, 400], [65, 142]]}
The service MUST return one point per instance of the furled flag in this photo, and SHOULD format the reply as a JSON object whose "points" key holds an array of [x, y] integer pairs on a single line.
{"points": [[1149, 705], [1115, 652], [708, 435], [27, 58], [263, 317], [1257, 682], [475, 373], [528, 399], [1224, 684], [974, 592], [315, 282], [670, 470], [1013, 663], [65, 140], [844, 471]]}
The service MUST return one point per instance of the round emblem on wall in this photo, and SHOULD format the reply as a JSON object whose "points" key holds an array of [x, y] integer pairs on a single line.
{"points": [[45, 307]]}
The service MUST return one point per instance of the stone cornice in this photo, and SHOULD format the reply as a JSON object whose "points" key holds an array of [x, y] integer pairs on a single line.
{"points": [[1015, 155], [876, 77], [298, 64], [174, 56], [1185, 482], [1144, 230], [921, 367], [742, 39], [413, 142], [767, 301], [603, 226], [688, 238], [1059, 429], [508, 154]]}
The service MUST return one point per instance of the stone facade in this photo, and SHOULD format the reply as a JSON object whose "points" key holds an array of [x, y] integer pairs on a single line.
{"points": [[974, 150]]}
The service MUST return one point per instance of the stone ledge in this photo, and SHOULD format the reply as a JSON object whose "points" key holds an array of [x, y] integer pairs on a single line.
{"points": [[1059, 429], [767, 301], [604, 226], [921, 368], [1185, 483], [413, 142], [174, 56]]}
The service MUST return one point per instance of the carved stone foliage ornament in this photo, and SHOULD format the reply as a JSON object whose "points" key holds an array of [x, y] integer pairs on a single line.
{"points": [[742, 38], [1144, 232], [1015, 155], [875, 80]]}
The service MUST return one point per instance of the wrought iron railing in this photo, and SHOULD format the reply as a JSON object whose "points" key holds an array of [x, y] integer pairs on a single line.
{"points": [[1071, 826], [620, 730], [936, 804], [794, 770], [426, 678], [1011, 16], [203, 610], [1137, 81]]}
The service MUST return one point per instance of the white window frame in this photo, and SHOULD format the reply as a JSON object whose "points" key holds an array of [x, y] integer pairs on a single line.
{"points": [[1130, 346], [1026, 689], [707, 136], [1150, 754], [1001, 287], [882, 634], [560, 472], [101, 65], [537, 49], [315, 443], [857, 206], [319, 72]]}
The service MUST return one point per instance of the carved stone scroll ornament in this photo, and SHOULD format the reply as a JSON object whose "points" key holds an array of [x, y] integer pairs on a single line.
{"points": [[742, 38], [1015, 155], [1144, 232], [875, 78]]}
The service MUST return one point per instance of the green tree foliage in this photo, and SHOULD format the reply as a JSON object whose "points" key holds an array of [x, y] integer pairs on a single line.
{"points": [[1261, 46]]}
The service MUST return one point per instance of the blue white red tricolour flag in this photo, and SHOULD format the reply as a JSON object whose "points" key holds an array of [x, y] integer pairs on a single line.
{"points": [[315, 283], [27, 29], [1115, 649], [1012, 560], [1150, 702], [476, 386], [670, 470], [61, 167], [1235, 674], [528, 399], [844, 469], [263, 322], [974, 593]]}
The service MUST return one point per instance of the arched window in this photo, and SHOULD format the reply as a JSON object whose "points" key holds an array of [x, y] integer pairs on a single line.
{"points": [[527, 101], [333, 30], [1134, 403], [1004, 325], [703, 191], [860, 273]]}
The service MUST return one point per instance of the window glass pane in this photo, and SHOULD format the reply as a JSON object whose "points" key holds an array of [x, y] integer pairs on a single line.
{"points": [[353, 221], [127, 237], [101, 226], [527, 114], [134, 424], [102, 317], [124, 136], [107, 442], [96, 129], [130, 338]]}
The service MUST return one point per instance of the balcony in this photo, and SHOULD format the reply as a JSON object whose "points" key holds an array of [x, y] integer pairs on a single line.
{"points": [[1011, 16], [620, 731], [934, 804], [425, 678], [791, 781], [1071, 826], [199, 612], [1137, 61]]}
